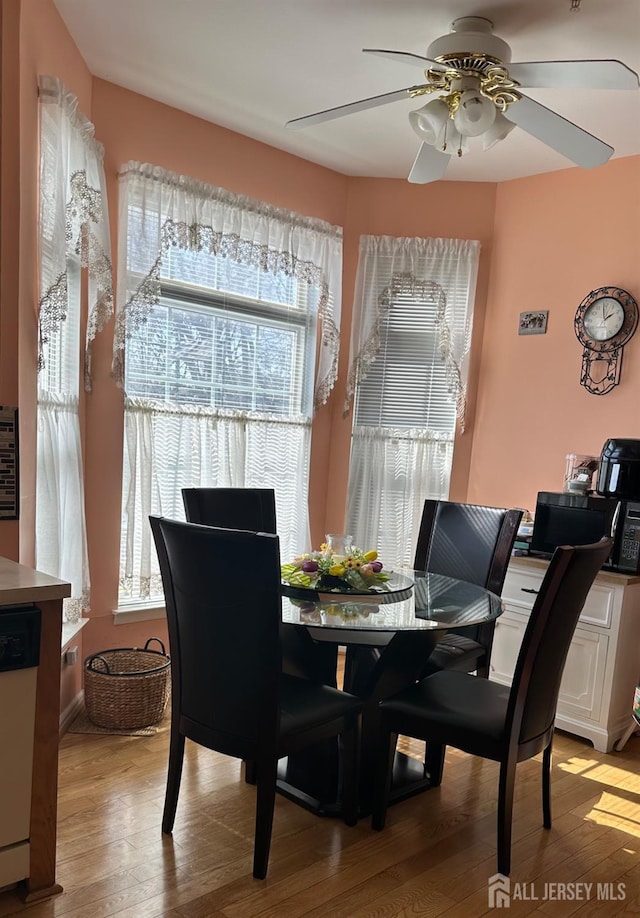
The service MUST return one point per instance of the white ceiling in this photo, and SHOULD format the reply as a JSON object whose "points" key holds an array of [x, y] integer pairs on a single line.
{"points": [[251, 65]]}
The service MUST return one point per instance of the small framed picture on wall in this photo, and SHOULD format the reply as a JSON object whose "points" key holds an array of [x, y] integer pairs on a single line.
{"points": [[533, 323]]}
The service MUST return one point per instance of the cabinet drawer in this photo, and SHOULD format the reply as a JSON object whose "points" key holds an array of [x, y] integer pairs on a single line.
{"points": [[521, 587], [598, 609]]}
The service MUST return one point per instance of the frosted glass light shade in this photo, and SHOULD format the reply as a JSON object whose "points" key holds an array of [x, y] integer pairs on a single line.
{"points": [[429, 121], [498, 131], [475, 113]]}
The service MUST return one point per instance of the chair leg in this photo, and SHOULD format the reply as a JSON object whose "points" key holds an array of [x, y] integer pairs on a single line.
{"points": [[382, 785], [546, 786], [350, 761], [505, 814], [174, 774], [265, 802], [434, 763]]}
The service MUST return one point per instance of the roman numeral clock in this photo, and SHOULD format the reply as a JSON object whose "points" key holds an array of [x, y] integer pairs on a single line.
{"points": [[604, 322]]}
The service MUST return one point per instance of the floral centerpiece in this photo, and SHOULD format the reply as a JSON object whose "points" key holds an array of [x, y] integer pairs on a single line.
{"points": [[332, 571]]}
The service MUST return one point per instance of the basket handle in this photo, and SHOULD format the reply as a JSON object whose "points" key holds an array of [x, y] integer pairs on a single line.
{"points": [[90, 661], [146, 646]]}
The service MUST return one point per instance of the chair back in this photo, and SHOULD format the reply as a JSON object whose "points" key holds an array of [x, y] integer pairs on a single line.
{"points": [[222, 594], [231, 508], [467, 541], [545, 645]]}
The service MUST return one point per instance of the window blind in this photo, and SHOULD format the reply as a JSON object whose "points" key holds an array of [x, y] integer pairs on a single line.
{"points": [[412, 329]]}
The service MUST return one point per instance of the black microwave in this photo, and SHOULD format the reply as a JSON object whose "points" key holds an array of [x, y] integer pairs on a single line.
{"points": [[578, 519]]}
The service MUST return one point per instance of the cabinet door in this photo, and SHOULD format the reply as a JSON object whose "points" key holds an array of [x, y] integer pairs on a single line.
{"points": [[508, 635], [582, 680]]}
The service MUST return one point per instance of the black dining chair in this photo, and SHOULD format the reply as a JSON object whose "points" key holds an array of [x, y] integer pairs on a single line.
{"points": [[473, 543], [253, 509], [223, 601], [490, 720]]}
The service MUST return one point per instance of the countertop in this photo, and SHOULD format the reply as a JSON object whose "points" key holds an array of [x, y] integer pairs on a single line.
{"points": [[541, 564], [19, 583]]}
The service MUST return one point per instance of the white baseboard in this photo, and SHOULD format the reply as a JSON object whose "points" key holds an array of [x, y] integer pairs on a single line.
{"points": [[70, 713]]}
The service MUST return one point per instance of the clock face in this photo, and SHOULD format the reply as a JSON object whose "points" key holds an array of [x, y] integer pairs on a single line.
{"points": [[604, 318], [604, 322]]}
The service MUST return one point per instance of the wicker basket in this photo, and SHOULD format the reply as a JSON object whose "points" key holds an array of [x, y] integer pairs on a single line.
{"points": [[127, 688]]}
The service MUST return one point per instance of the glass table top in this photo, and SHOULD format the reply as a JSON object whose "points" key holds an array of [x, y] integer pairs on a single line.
{"points": [[434, 602]]}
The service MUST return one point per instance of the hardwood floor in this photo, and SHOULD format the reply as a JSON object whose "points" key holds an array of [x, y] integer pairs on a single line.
{"points": [[434, 857]]}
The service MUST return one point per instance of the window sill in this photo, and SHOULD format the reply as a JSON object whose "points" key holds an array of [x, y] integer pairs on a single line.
{"points": [[70, 630], [138, 612]]}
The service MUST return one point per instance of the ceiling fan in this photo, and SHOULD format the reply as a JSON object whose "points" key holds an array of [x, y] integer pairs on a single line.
{"points": [[478, 94]]}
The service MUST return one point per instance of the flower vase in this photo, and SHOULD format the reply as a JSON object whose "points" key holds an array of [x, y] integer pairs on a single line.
{"points": [[340, 544]]}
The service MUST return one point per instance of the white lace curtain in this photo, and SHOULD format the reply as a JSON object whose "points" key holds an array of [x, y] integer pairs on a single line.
{"points": [[170, 445], [396, 464], [168, 448], [175, 210], [74, 234], [389, 266]]}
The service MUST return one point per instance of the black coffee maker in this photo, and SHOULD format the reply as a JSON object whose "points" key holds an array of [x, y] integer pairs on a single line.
{"points": [[619, 470]]}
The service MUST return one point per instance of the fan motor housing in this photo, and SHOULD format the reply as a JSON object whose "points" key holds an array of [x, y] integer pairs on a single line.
{"points": [[469, 36]]}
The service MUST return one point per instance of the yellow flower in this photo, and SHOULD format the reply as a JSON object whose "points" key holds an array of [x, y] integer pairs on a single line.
{"points": [[336, 570], [370, 555]]}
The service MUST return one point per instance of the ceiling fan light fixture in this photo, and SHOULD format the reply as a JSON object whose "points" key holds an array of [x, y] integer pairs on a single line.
{"points": [[451, 140], [430, 121], [475, 113], [500, 128]]}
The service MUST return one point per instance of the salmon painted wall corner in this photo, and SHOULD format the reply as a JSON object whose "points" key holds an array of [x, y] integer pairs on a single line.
{"points": [[557, 237]]}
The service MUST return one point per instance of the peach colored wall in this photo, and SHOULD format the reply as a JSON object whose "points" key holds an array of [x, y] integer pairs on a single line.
{"points": [[10, 219], [557, 237]]}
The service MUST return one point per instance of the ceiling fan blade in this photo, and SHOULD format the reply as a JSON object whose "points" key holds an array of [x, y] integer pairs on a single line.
{"points": [[574, 75], [405, 57], [330, 113], [429, 165], [551, 128]]}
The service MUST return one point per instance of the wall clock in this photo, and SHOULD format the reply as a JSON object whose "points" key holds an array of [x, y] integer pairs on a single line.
{"points": [[604, 322]]}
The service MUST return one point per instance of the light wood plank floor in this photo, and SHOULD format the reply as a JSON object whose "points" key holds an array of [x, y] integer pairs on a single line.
{"points": [[434, 857]]}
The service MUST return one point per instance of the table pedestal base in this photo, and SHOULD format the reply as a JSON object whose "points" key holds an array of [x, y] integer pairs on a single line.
{"points": [[313, 789], [373, 673]]}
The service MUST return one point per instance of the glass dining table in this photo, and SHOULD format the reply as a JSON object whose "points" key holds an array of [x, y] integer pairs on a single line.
{"points": [[387, 637]]}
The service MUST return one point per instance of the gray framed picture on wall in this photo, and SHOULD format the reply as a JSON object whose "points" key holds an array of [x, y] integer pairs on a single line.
{"points": [[9, 467], [533, 323]]}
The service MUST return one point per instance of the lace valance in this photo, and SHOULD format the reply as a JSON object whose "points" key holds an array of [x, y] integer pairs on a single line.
{"points": [[73, 217], [439, 272], [160, 210]]}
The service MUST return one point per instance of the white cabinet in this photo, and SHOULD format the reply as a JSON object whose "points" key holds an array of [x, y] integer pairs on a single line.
{"points": [[603, 663]]}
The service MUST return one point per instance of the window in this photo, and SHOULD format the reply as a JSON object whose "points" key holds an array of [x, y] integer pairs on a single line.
{"points": [[73, 234], [220, 357], [413, 308]]}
